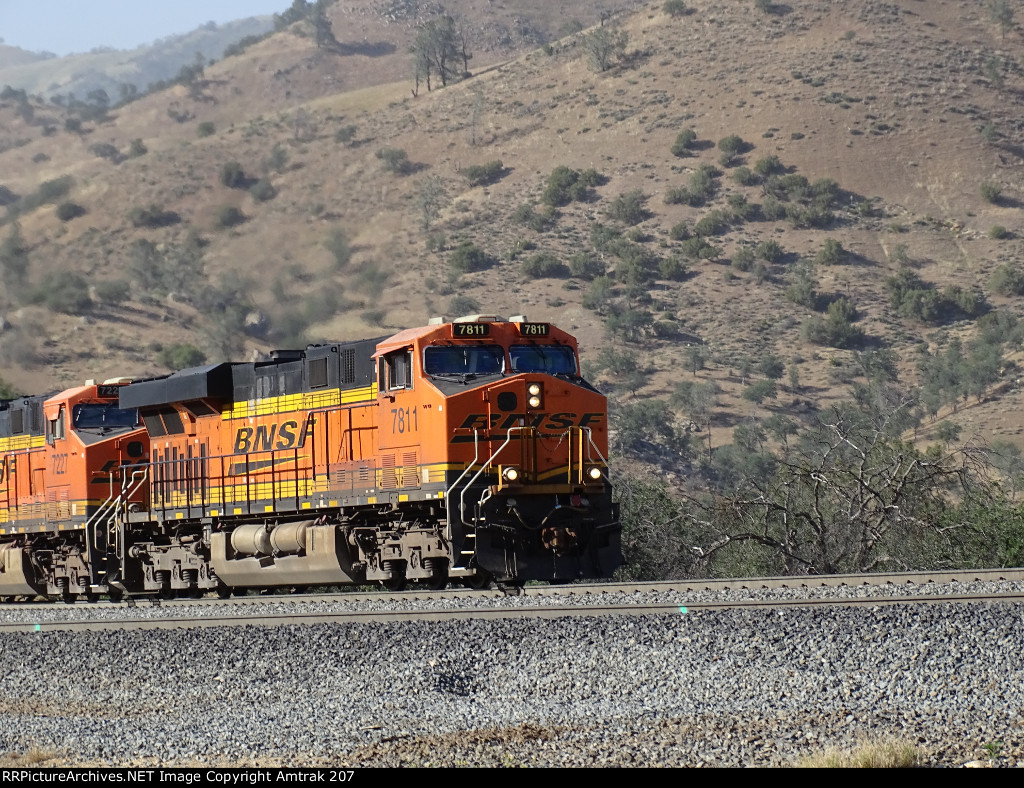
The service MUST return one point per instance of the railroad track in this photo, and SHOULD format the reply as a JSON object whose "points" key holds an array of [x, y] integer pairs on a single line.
{"points": [[601, 599]]}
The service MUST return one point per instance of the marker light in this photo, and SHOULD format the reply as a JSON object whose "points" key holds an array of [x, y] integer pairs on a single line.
{"points": [[510, 474], [594, 473]]}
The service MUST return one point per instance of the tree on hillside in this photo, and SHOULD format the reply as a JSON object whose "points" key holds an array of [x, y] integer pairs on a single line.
{"points": [[603, 45], [438, 47], [322, 25], [999, 11], [298, 11]]}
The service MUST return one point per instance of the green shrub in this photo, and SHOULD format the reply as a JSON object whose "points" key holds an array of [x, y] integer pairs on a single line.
{"points": [[395, 160], [345, 134], [338, 245], [831, 252], [232, 175], [744, 176], [64, 291], [137, 148], [769, 165], [773, 210], [67, 210], [483, 174], [106, 151], [673, 268], [462, 305], [153, 216], [181, 356], [263, 190], [674, 8], [770, 251], [679, 232], [539, 222], [743, 259], [112, 291], [205, 129], [628, 208], [683, 145], [714, 223], [468, 257], [678, 196], [1007, 280], [229, 216], [731, 147], [991, 191], [566, 185], [698, 248], [544, 265], [741, 208], [584, 265], [997, 232]]}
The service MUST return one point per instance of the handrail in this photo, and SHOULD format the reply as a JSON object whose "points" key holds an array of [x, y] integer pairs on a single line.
{"points": [[495, 453], [448, 492]]}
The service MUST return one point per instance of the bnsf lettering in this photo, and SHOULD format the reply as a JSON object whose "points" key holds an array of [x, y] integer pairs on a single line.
{"points": [[542, 421], [268, 437]]}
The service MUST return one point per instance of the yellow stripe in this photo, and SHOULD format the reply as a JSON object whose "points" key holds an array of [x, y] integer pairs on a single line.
{"points": [[22, 442], [270, 406]]}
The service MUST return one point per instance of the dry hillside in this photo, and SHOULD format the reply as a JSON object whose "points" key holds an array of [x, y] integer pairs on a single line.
{"points": [[908, 106]]}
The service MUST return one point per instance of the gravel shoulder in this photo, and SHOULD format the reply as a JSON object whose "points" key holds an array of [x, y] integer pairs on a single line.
{"points": [[712, 688]]}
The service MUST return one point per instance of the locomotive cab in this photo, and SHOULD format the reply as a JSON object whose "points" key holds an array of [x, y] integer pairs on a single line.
{"points": [[497, 412]]}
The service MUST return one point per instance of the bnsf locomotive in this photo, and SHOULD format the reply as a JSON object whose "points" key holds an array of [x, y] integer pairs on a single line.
{"points": [[469, 451]]}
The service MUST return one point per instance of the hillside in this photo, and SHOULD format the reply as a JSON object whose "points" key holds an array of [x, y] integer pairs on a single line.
{"points": [[112, 70], [909, 107]]}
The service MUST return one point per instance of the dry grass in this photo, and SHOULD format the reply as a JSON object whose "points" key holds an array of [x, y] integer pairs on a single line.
{"points": [[34, 756], [870, 755]]}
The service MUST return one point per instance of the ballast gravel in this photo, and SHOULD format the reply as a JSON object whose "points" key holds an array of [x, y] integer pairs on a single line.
{"points": [[752, 687]]}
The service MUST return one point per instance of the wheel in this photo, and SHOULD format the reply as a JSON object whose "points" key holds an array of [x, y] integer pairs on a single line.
{"points": [[224, 592], [477, 582], [436, 583], [115, 594]]}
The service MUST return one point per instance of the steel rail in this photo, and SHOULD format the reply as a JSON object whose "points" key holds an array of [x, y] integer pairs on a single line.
{"points": [[905, 579], [539, 612]]}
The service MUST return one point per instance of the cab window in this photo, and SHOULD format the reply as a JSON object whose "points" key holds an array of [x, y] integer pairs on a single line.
{"points": [[551, 359], [398, 367], [464, 360], [55, 427]]}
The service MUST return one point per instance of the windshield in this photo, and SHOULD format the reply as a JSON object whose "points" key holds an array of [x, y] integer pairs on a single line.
{"points": [[102, 416], [464, 360], [552, 359]]}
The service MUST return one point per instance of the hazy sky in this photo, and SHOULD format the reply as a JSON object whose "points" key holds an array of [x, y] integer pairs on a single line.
{"points": [[65, 26]]}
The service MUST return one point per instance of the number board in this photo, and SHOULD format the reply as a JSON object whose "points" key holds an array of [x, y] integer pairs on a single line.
{"points": [[534, 329], [110, 392], [470, 330]]}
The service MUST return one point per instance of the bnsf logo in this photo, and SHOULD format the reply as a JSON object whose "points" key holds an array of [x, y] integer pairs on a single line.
{"points": [[539, 421], [268, 437]]}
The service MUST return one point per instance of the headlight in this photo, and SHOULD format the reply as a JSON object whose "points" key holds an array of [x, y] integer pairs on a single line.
{"points": [[510, 474], [533, 402], [534, 389], [594, 473]]}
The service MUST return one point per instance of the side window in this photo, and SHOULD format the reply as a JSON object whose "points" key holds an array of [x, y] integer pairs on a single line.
{"points": [[56, 426], [399, 370]]}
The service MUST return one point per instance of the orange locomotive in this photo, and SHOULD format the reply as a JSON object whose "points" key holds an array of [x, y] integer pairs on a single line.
{"points": [[69, 465], [466, 451]]}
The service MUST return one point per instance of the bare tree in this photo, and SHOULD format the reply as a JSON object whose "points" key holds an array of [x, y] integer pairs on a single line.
{"points": [[848, 499]]}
